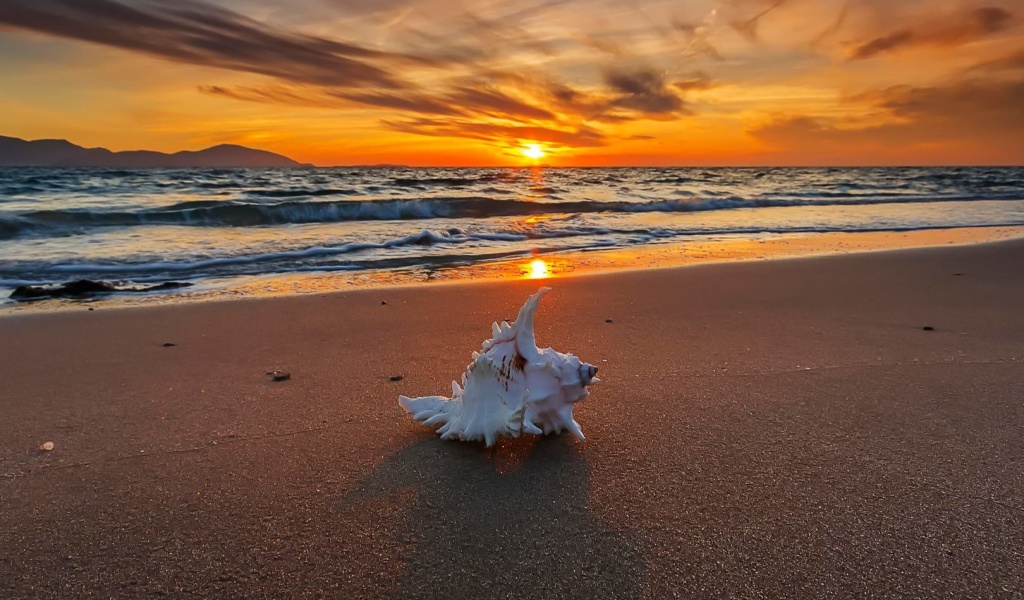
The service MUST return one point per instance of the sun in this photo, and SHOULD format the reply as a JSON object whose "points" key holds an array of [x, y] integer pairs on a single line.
{"points": [[533, 151]]}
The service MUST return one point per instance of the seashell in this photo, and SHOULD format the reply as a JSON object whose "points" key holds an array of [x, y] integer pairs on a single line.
{"points": [[511, 387]]}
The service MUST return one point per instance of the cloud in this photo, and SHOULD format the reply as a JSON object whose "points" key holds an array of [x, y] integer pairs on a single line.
{"points": [[644, 91], [578, 137], [276, 94], [1010, 63], [695, 81], [194, 32], [461, 100], [950, 30], [698, 37], [496, 103], [883, 44], [980, 113], [748, 27], [992, 107]]}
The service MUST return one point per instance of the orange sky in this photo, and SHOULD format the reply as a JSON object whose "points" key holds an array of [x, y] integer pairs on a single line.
{"points": [[592, 82]]}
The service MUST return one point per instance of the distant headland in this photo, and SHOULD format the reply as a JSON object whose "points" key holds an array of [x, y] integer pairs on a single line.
{"points": [[16, 152]]}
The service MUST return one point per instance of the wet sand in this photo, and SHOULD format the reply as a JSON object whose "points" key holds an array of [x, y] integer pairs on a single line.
{"points": [[763, 430]]}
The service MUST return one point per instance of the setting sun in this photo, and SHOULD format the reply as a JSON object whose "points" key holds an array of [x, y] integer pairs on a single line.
{"points": [[533, 151]]}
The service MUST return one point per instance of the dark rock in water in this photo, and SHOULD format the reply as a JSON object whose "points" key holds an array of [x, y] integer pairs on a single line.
{"points": [[85, 288], [169, 344], [279, 375], [396, 378], [928, 328]]}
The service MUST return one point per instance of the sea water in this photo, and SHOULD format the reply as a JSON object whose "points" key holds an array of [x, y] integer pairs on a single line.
{"points": [[150, 226]]}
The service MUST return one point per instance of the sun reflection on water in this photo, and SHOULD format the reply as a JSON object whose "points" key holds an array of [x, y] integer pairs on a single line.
{"points": [[538, 269]]}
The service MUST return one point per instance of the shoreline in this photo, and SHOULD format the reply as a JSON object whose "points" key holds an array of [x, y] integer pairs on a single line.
{"points": [[841, 425], [668, 255]]}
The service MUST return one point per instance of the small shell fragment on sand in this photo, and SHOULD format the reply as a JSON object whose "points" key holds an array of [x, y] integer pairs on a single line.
{"points": [[47, 446], [279, 375]]}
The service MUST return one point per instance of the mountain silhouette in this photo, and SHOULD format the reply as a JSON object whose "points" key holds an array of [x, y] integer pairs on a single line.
{"points": [[16, 152]]}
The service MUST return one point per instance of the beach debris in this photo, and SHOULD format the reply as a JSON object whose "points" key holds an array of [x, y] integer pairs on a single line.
{"points": [[279, 375], [396, 377], [928, 328], [84, 288], [47, 446], [169, 344], [511, 387]]}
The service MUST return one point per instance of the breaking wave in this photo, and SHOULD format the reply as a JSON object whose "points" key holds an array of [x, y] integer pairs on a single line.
{"points": [[233, 213]]}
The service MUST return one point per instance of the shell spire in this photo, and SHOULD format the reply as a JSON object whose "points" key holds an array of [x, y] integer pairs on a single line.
{"points": [[526, 342], [511, 387]]}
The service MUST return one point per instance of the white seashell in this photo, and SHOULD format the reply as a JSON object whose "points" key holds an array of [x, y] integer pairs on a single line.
{"points": [[511, 387]]}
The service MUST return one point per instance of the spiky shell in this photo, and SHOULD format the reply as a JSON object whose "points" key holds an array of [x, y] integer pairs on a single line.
{"points": [[510, 388]]}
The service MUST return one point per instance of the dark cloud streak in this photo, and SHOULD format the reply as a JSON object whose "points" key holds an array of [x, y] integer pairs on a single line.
{"points": [[883, 44], [194, 32], [645, 92], [748, 27], [948, 31]]}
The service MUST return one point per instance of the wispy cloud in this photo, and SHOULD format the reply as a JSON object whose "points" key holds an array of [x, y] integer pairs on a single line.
{"points": [[580, 137], [197, 33], [949, 30], [983, 114], [747, 26], [1010, 63]]}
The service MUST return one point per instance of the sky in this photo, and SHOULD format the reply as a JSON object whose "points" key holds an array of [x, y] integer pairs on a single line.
{"points": [[488, 82]]}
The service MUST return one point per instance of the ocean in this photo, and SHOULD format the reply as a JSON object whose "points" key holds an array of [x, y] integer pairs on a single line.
{"points": [[215, 228]]}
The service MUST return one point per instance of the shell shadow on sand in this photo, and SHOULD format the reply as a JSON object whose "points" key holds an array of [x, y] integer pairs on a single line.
{"points": [[511, 522]]}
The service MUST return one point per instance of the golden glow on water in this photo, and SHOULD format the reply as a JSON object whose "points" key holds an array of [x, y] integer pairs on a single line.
{"points": [[556, 266], [538, 269]]}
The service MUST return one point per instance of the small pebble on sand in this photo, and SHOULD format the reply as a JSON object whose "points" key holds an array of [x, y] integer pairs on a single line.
{"points": [[928, 328], [608, 321], [279, 375], [47, 446], [169, 344], [396, 378]]}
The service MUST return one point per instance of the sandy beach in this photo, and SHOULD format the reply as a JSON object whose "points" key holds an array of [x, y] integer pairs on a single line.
{"points": [[786, 429]]}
